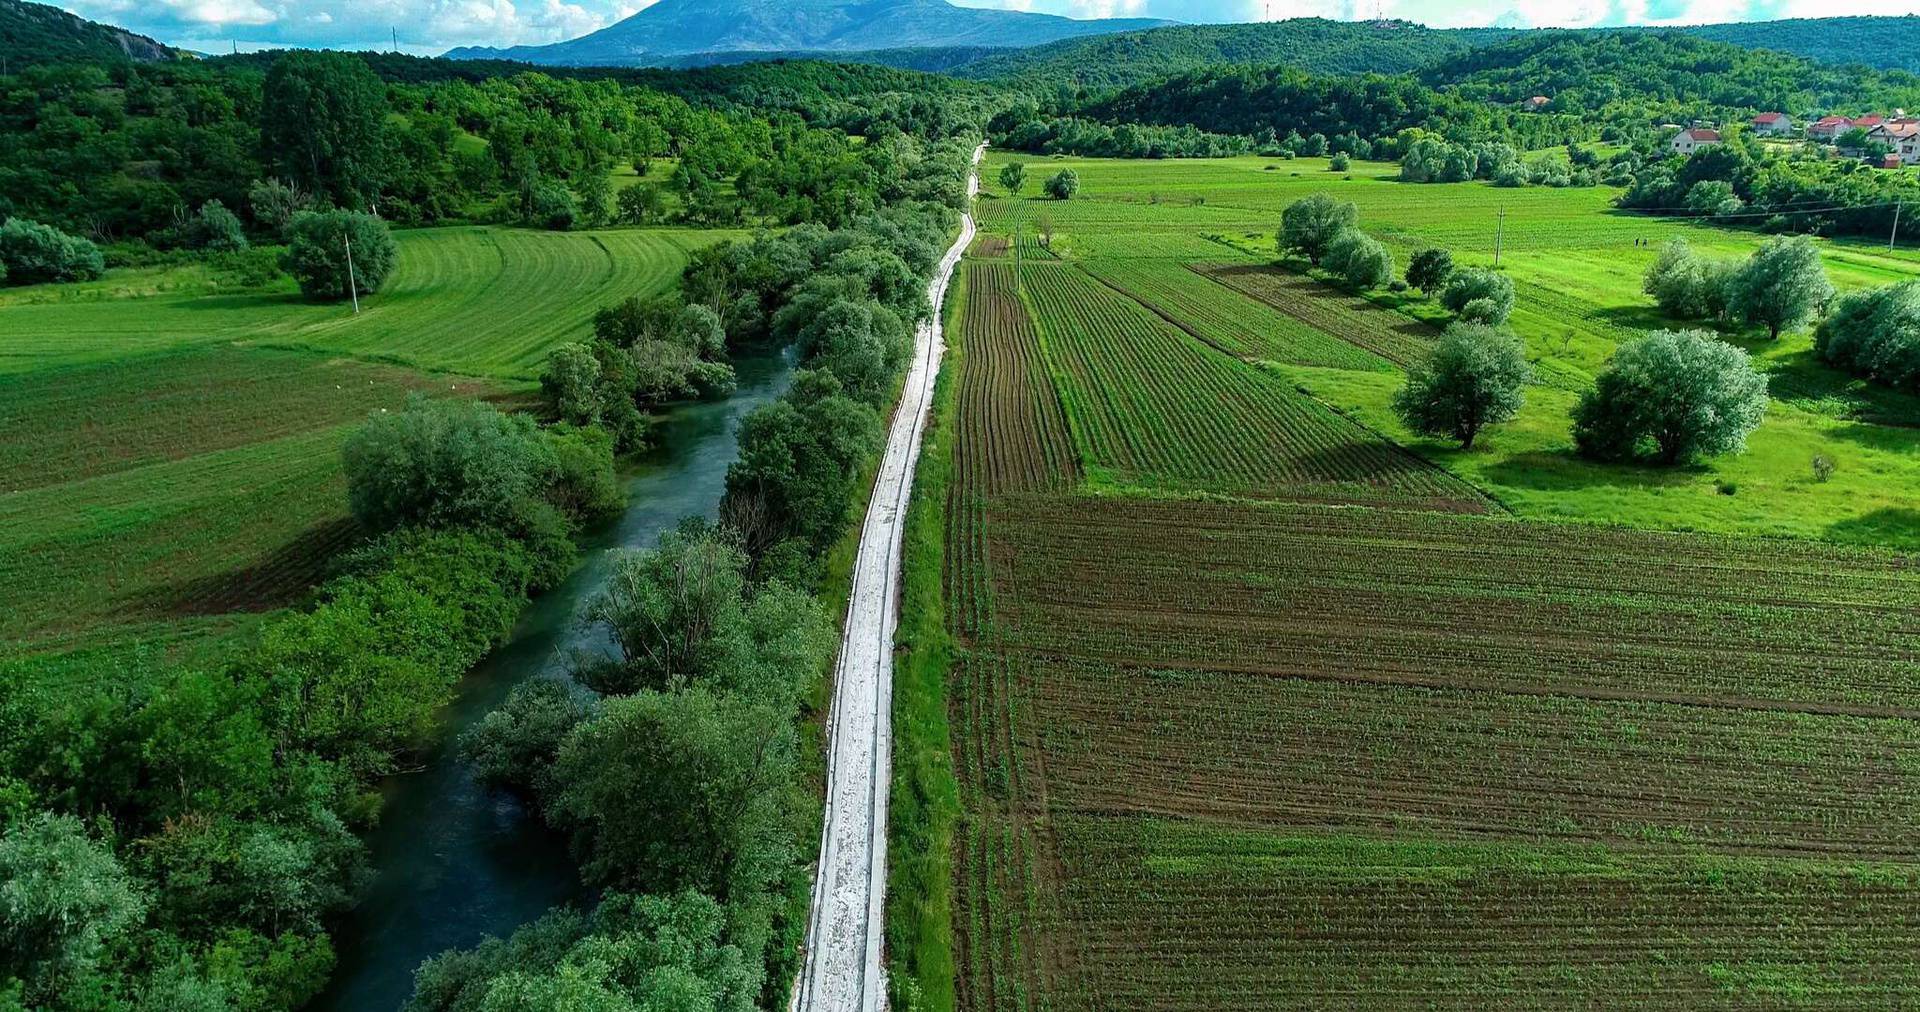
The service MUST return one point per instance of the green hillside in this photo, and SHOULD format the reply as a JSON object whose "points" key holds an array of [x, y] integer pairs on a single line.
{"points": [[1887, 43], [37, 33]]}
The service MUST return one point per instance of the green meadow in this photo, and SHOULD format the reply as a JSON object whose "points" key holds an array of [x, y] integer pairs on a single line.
{"points": [[1141, 227]]}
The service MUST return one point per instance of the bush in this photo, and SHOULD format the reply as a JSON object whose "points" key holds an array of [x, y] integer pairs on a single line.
{"points": [[1064, 185], [216, 229], [1686, 392], [1479, 285], [317, 253], [1875, 333], [1781, 285], [1360, 261], [447, 463], [31, 252], [552, 206], [515, 745], [1475, 376], [1339, 162]]}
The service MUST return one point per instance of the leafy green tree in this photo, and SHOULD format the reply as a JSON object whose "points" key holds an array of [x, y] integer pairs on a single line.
{"points": [[323, 125], [583, 484], [684, 790], [1430, 269], [1713, 196], [799, 463], [1013, 177], [31, 252], [515, 745], [551, 206], [1361, 261], [1309, 225], [596, 197], [1686, 391], [1875, 333], [571, 382], [1064, 185], [1475, 376], [1677, 281], [445, 462], [324, 244], [1478, 284], [217, 229], [1781, 286], [63, 898], [642, 204], [663, 608], [275, 204], [1340, 162]]}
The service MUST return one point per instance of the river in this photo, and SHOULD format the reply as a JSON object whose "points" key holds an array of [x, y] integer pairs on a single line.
{"points": [[455, 862]]}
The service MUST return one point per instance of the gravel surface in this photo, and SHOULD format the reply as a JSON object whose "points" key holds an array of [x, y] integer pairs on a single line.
{"points": [[841, 972]]}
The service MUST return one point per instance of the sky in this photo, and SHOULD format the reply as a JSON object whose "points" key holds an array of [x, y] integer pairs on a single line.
{"points": [[433, 26]]}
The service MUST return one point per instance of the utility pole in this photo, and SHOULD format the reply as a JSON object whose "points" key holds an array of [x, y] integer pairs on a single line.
{"points": [[396, 38], [352, 284], [1896, 225], [1499, 229]]}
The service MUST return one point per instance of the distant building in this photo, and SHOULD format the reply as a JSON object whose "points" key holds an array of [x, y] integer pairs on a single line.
{"points": [[1867, 122], [1773, 123], [1826, 128], [1688, 141], [1536, 103], [1901, 135], [1890, 161]]}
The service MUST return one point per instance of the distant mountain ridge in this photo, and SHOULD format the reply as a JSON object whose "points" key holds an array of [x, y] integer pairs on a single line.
{"points": [[36, 33], [676, 28]]}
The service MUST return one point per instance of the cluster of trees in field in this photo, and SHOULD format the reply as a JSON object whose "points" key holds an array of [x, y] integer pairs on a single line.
{"points": [[179, 838], [1326, 232], [673, 766], [1427, 158], [1062, 185], [1742, 181], [1780, 287], [1876, 334]]}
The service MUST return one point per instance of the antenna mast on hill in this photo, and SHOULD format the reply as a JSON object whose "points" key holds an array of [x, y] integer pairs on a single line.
{"points": [[396, 39]]}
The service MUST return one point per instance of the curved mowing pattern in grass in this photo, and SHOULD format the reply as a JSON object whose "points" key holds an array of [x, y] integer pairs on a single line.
{"points": [[1152, 407], [481, 301]]}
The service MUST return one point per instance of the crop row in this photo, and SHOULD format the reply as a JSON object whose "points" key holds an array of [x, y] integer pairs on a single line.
{"points": [[1013, 436], [1236, 325], [1382, 332], [1150, 406]]}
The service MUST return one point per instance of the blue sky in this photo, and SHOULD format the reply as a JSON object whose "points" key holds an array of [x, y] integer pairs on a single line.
{"points": [[432, 26]]}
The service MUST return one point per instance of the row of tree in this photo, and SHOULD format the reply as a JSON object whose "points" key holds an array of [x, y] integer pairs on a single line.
{"points": [[1326, 232], [1780, 287]]}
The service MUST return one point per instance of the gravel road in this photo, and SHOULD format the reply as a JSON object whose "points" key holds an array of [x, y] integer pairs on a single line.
{"points": [[841, 971]]}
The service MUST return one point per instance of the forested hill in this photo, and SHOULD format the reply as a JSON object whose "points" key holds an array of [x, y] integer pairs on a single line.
{"points": [[37, 33], [1324, 47], [1888, 43], [1665, 74], [672, 28]]}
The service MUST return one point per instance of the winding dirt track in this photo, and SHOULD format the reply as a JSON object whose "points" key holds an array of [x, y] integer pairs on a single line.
{"points": [[841, 971]]}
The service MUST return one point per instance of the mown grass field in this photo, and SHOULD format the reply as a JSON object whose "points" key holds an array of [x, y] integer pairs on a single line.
{"points": [[1242, 718], [169, 447], [475, 300]]}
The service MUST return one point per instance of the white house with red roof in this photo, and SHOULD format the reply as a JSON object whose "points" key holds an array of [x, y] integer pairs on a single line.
{"points": [[1688, 141], [1826, 128], [1772, 123], [1902, 135]]}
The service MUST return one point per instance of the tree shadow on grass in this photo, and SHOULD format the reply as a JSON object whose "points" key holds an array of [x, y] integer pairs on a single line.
{"points": [[1897, 526], [282, 578], [1563, 471]]}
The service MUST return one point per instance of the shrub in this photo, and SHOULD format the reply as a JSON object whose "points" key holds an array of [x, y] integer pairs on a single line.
{"points": [[1339, 162], [552, 206], [317, 253], [1475, 376], [1064, 185], [217, 229], [1781, 285], [1479, 285], [32, 252], [443, 462], [1875, 333], [1686, 392], [1361, 261]]}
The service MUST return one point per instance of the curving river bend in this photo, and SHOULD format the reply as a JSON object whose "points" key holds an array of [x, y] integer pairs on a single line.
{"points": [[455, 863]]}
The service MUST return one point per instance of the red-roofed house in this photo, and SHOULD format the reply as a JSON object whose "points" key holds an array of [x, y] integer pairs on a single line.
{"points": [[1775, 123], [1826, 128], [1536, 103], [1867, 122], [1902, 135], [1686, 142]]}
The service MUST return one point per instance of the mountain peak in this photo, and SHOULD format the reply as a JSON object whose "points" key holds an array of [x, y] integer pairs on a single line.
{"points": [[681, 27]]}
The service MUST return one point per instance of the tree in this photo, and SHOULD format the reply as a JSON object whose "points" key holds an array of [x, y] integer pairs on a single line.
{"points": [[1781, 286], [318, 253], [1875, 333], [1340, 162], [571, 383], [1475, 376], [1479, 285], [550, 205], [683, 790], [275, 204], [642, 205], [31, 252], [1043, 225], [63, 897], [515, 745], [1013, 177], [1361, 261], [445, 462], [596, 197], [662, 608], [216, 228], [1429, 269], [1688, 392], [1677, 281], [1064, 185], [1308, 226], [323, 125]]}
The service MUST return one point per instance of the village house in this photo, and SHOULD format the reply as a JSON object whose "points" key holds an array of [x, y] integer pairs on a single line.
{"points": [[1826, 128], [1902, 136], [1772, 123], [1688, 141], [1536, 103]]}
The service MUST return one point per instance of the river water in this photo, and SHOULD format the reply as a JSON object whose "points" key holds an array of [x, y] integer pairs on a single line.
{"points": [[455, 862]]}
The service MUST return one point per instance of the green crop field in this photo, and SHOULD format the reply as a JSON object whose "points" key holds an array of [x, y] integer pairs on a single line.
{"points": [[169, 443], [476, 300], [1508, 729]]}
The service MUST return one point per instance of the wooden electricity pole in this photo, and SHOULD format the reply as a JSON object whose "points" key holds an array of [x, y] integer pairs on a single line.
{"points": [[1896, 225]]}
